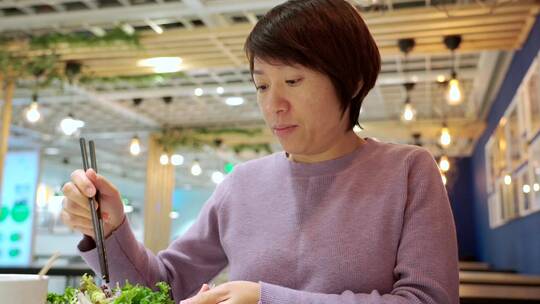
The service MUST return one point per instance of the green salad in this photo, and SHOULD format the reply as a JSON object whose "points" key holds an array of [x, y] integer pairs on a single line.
{"points": [[90, 293]]}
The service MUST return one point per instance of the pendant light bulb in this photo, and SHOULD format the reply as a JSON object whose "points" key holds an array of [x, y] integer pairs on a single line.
{"points": [[164, 159], [444, 164], [454, 95], [507, 180], [217, 177], [32, 113], [409, 113], [196, 168], [445, 139], [135, 146], [70, 125]]}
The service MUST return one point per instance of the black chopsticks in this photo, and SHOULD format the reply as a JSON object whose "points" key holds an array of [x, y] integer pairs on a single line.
{"points": [[97, 221]]}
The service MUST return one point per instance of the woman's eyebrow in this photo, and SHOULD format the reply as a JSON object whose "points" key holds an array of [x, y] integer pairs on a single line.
{"points": [[258, 72]]}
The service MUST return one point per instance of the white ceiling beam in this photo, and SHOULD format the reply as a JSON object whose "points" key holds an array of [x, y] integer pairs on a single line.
{"points": [[428, 90], [187, 24], [422, 76], [126, 14], [116, 107], [503, 64], [209, 19], [12, 3], [55, 4], [251, 17], [227, 51], [26, 10], [91, 4], [176, 91], [179, 91], [86, 95], [486, 72], [49, 99]]}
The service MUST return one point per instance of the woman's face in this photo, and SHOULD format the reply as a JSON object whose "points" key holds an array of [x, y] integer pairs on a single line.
{"points": [[300, 106]]}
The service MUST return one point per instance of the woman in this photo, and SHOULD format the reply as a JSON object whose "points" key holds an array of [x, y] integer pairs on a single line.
{"points": [[333, 219]]}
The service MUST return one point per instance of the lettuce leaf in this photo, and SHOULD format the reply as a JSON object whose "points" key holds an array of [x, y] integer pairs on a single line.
{"points": [[129, 294]]}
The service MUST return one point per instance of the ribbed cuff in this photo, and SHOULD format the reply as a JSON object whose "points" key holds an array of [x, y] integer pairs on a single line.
{"points": [[274, 294], [119, 248], [87, 243]]}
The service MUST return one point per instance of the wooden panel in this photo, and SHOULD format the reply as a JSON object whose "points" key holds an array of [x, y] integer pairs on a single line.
{"points": [[471, 266], [478, 291], [158, 199], [498, 278], [6, 113]]}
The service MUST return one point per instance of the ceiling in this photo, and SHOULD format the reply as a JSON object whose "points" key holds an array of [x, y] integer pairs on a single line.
{"points": [[209, 35]]}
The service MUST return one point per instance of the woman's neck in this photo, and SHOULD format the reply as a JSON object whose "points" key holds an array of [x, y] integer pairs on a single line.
{"points": [[347, 144]]}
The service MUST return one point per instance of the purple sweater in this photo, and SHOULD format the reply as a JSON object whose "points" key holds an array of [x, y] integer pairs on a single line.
{"points": [[374, 226]]}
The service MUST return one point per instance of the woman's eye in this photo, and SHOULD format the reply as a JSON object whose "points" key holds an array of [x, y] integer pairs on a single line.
{"points": [[261, 87], [293, 81]]}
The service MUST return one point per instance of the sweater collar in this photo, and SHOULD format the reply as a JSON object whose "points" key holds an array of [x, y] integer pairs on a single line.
{"points": [[327, 167]]}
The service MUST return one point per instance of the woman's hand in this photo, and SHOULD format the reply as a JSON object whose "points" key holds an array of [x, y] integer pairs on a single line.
{"points": [[76, 209], [236, 292]]}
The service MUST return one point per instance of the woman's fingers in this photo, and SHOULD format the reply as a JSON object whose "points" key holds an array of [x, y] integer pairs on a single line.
{"points": [[72, 207], [204, 288], [75, 221], [105, 187], [74, 195], [83, 183], [78, 223]]}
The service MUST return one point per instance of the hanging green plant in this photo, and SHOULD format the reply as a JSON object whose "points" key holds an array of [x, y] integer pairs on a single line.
{"points": [[44, 69], [10, 64], [137, 80], [195, 138], [82, 39], [4, 40], [246, 132]]}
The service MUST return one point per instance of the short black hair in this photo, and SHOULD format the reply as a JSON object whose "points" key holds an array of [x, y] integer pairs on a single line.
{"points": [[328, 36]]}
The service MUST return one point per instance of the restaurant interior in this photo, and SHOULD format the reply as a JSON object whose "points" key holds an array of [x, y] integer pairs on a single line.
{"points": [[164, 90]]}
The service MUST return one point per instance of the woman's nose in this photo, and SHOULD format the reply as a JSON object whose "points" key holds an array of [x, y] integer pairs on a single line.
{"points": [[277, 101]]}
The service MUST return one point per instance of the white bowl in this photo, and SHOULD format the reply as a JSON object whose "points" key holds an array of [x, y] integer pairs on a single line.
{"points": [[23, 289]]}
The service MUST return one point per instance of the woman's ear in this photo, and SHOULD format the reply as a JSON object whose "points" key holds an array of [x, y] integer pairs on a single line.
{"points": [[358, 88]]}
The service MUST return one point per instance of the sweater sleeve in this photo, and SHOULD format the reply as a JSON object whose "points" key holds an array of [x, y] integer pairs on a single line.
{"points": [[426, 269], [191, 260]]}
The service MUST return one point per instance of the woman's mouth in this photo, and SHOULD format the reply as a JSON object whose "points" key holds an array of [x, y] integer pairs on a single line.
{"points": [[284, 130]]}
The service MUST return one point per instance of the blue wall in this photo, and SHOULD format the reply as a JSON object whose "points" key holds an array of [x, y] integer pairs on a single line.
{"points": [[460, 191], [515, 245]]}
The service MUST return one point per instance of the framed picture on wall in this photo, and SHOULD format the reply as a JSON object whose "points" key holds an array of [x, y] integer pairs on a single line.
{"points": [[490, 166], [524, 190], [494, 209], [500, 151], [512, 155], [515, 128], [508, 200], [534, 168], [531, 100]]}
